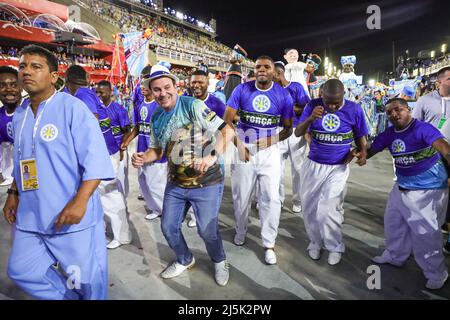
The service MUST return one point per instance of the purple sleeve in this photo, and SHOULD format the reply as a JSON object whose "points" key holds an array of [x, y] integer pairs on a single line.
{"points": [[288, 107], [136, 114], [89, 101], [302, 97], [360, 128], [430, 134], [380, 142], [124, 119], [234, 100], [306, 112]]}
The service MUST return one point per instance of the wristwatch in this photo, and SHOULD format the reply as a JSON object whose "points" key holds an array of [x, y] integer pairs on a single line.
{"points": [[12, 191]]}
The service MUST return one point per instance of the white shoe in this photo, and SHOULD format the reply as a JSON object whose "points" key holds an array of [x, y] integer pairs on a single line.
{"points": [[296, 209], [152, 216], [314, 254], [239, 239], [192, 223], [270, 256], [175, 269], [221, 274], [7, 182], [334, 258], [257, 206], [435, 285], [114, 244]]}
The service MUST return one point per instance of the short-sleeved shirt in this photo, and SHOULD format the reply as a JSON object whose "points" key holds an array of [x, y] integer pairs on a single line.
{"points": [[143, 115], [119, 120], [89, 97], [185, 133], [260, 111], [411, 147], [6, 127], [69, 149], [215, 104], [333, 135], [299, 96]]}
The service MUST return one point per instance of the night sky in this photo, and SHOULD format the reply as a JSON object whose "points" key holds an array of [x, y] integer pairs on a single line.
{"points": [[337, 26]]}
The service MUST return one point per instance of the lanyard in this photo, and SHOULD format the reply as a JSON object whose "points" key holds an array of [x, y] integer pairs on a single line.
{"points": [[36, 125]]}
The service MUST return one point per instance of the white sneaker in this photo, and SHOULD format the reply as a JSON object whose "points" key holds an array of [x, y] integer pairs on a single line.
{"points": [[192, 223], [296, 209], [221, 274], [239, 239], [175, 269], [314, 254], [334, 258], [114, 244], [257, 206], [152, 216], [435, 285], [270, 256]]}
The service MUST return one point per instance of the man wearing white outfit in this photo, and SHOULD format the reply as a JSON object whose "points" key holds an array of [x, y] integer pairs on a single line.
{"points": [[295, 70], [294, 148], [333, 123], [152, 177], [417, 204], [262, 105]]}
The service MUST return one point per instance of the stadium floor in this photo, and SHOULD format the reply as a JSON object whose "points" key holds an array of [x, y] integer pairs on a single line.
{"points": [[134, 269]]}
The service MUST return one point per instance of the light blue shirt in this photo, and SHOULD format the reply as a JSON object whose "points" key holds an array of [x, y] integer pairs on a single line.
{"points": [[69, 149], [433, 178]]}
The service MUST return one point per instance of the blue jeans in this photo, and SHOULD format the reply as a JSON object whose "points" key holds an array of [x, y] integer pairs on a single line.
{"points": [[206, 203]]}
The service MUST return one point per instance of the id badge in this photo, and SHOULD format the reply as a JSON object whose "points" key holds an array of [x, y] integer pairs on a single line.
{"points": [[29, 174], [441, 123]]}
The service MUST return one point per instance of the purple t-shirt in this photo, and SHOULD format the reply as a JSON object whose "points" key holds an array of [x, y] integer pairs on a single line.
{"points": [[6, 128], [299, 96], [332, 136], [119, 119], [93, 102], [411, 147], [143, 115], [260, 111], [215, 104]]}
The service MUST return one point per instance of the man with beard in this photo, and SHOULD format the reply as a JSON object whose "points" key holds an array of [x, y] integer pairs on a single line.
{"points": [[262, 106]]}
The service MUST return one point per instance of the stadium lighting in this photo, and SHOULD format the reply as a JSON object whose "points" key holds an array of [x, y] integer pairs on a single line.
{"points": [[432, 54], [200, 24], [444, 48], [371, 83], [326, 62], [179, 15]]}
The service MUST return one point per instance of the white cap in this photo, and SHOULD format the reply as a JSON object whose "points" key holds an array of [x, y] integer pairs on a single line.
{"points": [[158, 71]]}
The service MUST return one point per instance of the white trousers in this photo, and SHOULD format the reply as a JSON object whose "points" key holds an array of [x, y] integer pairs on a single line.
{"points": [[153, 180], [122, 175], [113, 204], [322, 197], [412, 224], [296, 150], [263, 170], [6, 157]]}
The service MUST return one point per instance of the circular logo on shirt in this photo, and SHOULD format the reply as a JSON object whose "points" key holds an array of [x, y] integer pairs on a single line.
{"points": [[261, 103], [9, 130], [398, 146], [144, 113], [331, 122], [49, 132]]}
